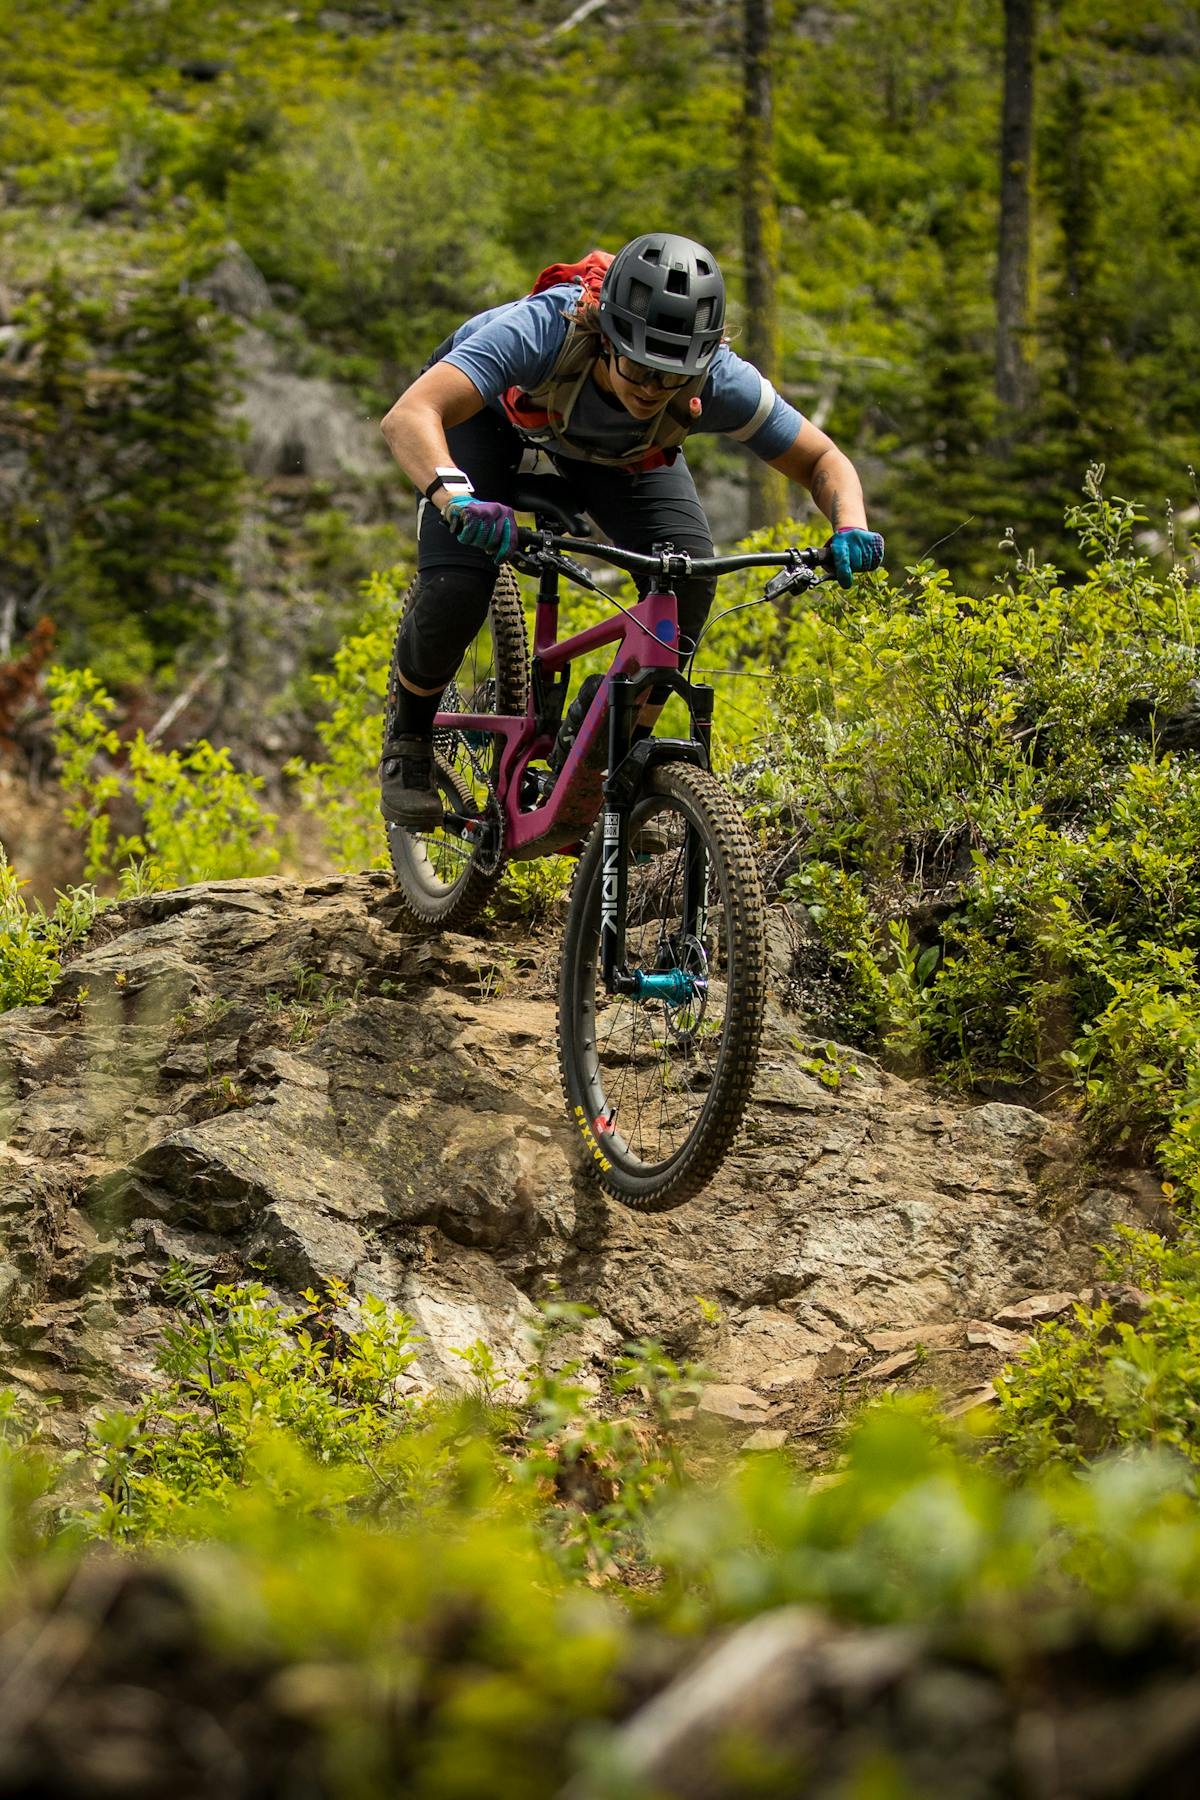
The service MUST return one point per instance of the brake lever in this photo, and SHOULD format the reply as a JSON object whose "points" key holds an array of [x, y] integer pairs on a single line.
{"points": [[791, 581], [554, 559]]}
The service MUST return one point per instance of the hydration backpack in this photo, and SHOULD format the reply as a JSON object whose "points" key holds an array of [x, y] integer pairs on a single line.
{"points": [[544, 416]]}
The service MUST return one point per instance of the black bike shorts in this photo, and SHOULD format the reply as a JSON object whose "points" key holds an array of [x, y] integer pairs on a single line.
{"points": [[635, 509]]}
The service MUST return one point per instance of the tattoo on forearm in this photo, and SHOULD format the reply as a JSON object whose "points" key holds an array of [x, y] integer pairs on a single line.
{"points": [[831, 507]]}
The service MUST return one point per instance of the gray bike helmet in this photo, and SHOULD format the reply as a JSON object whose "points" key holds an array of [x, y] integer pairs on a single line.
{"points": [[663, 303]]}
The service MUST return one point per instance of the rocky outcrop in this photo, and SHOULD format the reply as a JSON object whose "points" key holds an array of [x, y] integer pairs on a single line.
{"points": [[273, 1079], [301, 424]]}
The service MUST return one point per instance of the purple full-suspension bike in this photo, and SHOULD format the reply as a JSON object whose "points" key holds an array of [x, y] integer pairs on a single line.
{"points": [[663, 977]]}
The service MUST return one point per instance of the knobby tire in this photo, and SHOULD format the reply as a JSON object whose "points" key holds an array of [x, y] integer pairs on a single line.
{"points": [[442, 882], [659, 1092]]}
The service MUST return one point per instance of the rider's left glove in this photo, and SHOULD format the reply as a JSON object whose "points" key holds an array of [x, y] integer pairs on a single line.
{"points": [[852, 551], [484, 523]]}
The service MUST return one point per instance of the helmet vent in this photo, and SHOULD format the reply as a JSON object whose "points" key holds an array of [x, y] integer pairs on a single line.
{"points": [[640, 296], [677, 281]]}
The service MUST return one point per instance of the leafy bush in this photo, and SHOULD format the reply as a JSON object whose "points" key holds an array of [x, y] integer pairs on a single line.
{"points": [[915, 1528], [249, 1379], [380, 222], [32, 941], [313, 1407], [423, 1572], [201, 819], [440, 1651], [343, 790], [1103, 1384], [993, 840]]}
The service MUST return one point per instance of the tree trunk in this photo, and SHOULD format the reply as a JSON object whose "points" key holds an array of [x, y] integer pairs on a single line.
{"points": [[1013, 310], [760, 239]]}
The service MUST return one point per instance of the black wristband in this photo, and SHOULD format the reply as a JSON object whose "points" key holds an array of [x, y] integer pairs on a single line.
{"points": [[455, 481]]}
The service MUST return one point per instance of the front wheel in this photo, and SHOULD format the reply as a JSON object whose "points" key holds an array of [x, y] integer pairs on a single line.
{"points": [[658, 1080]]}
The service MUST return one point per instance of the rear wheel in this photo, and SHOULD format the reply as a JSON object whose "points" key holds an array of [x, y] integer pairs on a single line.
{"points": [[658, 1081], [445, 876]]}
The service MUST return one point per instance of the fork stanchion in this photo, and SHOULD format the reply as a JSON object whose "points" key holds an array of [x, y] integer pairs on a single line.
{"points": [[614, 862]]}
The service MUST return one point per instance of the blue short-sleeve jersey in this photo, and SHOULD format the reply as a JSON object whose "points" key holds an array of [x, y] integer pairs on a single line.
{"points": [[517, 345]]}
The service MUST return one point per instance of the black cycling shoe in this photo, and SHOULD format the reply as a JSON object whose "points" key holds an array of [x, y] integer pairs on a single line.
{"points": [[407, 795]]}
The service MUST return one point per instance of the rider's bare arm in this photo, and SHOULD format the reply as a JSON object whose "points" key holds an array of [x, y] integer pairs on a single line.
{"points": [[815, 462], [416, 426]]}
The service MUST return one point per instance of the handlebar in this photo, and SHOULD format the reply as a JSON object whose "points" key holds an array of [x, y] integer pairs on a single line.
{"points": [[542, 549]]}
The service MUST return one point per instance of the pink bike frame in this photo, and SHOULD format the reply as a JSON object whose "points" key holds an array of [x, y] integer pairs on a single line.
{"points": [[647, 634]]}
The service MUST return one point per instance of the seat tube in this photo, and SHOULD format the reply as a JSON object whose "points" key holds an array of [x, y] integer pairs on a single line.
{"points": [[545, 631]]}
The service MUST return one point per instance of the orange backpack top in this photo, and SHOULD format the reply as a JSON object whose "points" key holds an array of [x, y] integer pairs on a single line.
{"points": [[590, 270]]}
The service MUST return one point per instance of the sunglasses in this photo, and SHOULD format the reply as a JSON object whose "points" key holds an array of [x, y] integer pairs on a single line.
{"points": [[640, 377]]}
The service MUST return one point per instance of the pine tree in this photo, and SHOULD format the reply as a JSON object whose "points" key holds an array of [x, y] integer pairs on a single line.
{"points": [[1087, 412], [760, 239], [54, 408], [171, 518], [120, 478]]}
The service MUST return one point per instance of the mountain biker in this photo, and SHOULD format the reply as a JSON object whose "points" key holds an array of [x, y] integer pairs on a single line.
{"points": [[608, 375]]}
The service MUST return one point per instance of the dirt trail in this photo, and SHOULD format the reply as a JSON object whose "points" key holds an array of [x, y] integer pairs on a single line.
{"points": [[269, 1076]]}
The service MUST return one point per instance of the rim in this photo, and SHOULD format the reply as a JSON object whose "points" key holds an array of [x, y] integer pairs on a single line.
{"points": [[649, 1067], [437, 861]]}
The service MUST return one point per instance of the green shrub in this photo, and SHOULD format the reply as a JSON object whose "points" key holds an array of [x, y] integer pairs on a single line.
{"points": [[1098, 1385], [424, 1571], [996, 847], [201, 819], [378, 219], [258, 1391], [312, 1407], [343, 789], [32, 941]]}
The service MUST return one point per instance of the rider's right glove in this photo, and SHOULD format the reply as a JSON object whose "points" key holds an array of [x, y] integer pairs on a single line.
{"points": [[484, 523], [853, 550]]}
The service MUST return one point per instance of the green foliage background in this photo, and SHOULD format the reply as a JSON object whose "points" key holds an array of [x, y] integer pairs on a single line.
{"points": [[392, 170]]}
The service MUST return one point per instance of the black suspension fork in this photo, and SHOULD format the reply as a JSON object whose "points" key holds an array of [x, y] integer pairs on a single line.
{"points": [[695, 871], [614, 857], [629, 764]]}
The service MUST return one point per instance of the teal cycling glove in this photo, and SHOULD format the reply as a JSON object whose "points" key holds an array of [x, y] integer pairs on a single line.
{"points": [[484, 523], [854, 550]]}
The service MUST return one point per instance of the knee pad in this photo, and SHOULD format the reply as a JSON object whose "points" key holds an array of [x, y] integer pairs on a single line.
{"points": [[448, 610]]}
